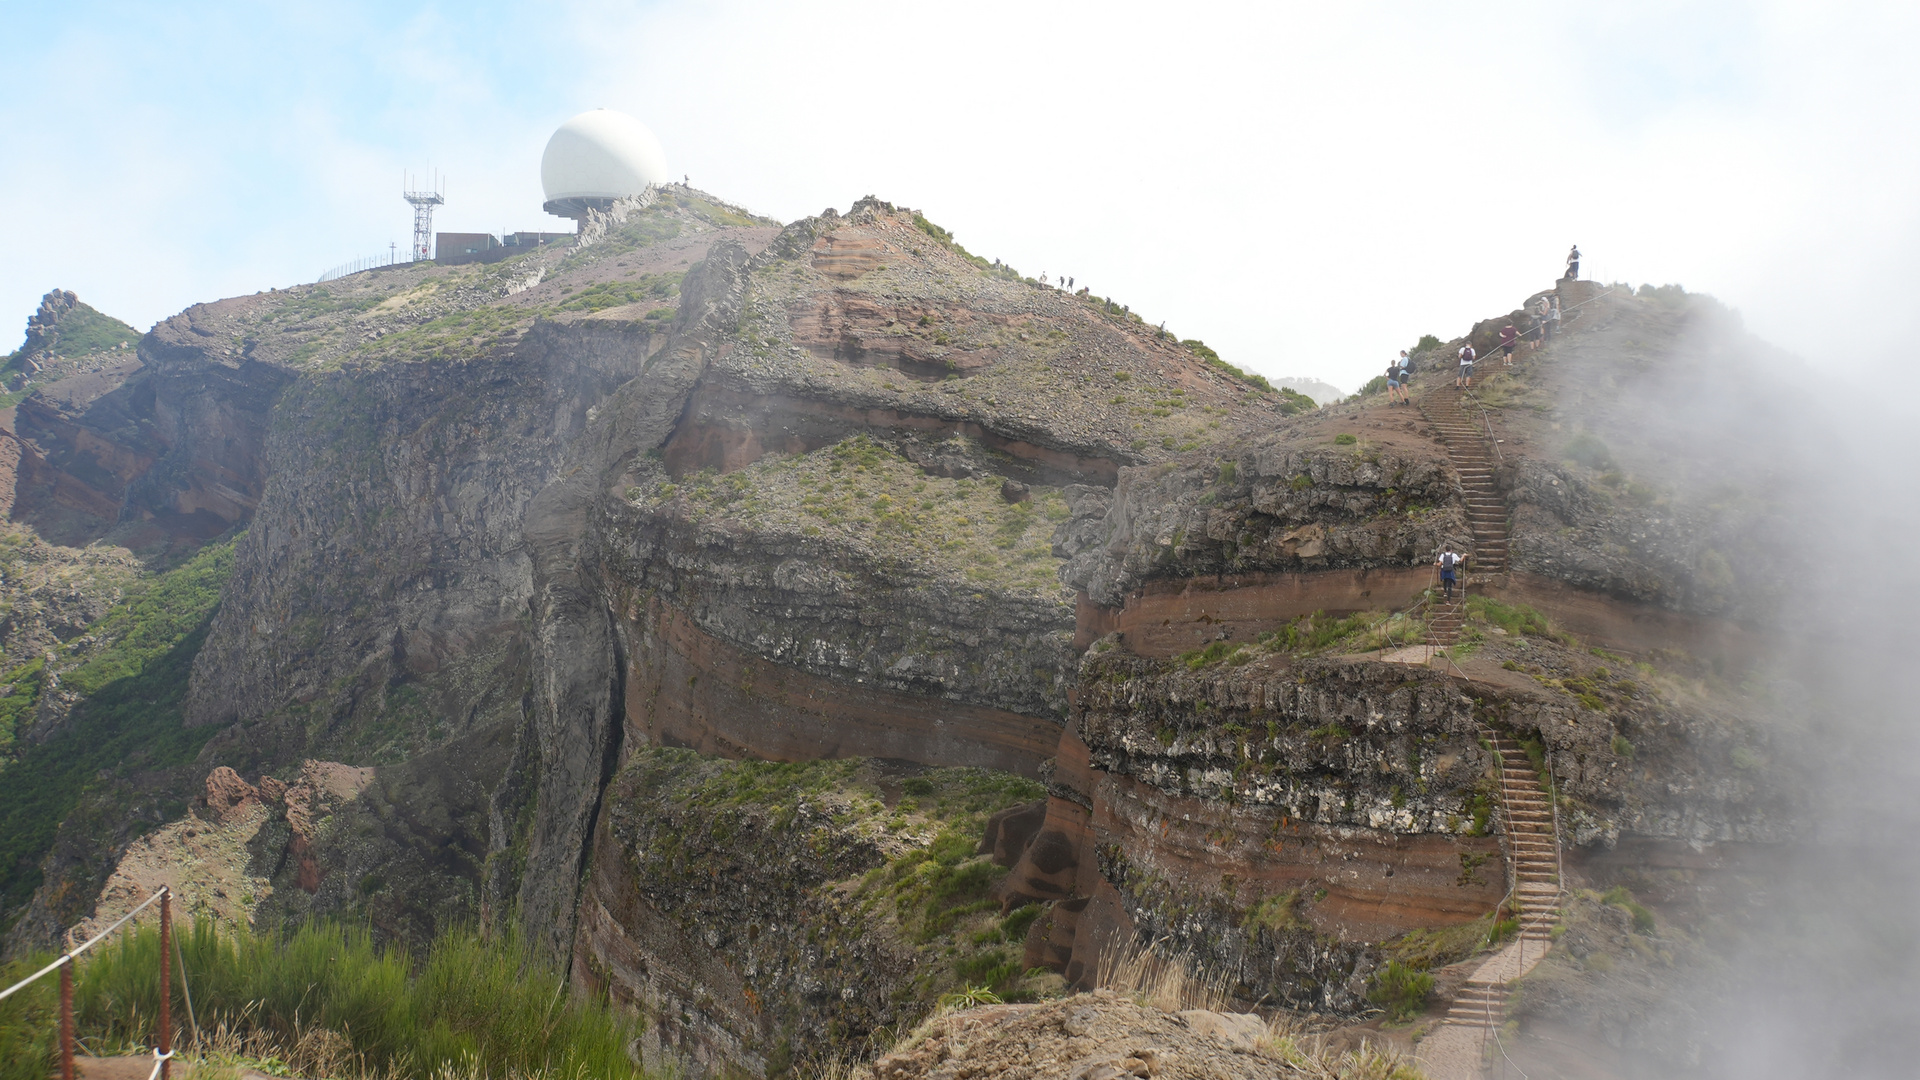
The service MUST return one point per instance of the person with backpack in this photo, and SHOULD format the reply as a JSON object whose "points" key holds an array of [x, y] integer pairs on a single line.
{"points": [[1394, 390], [1573, 264], [1449, 564], [1465, 379]]}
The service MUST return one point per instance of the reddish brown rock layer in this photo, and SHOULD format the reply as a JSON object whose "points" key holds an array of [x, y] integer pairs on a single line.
{"points": [[688, 688]]}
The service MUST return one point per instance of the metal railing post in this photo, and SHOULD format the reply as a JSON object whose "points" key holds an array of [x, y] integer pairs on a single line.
{"points": [[166, 1003], [66, 1020]]}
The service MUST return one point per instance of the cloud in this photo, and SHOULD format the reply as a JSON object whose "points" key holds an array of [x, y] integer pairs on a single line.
{"points": [[1307, 187]]}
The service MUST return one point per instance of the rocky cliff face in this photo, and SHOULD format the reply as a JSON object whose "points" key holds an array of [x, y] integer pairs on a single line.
{"points": [[404, 416], [843, 474], [569, 548]]}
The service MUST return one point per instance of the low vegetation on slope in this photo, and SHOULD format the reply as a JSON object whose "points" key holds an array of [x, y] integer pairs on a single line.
{"points": [[430, 311], [866, 493], [845, 898], [122, 683], [326, 1001]]}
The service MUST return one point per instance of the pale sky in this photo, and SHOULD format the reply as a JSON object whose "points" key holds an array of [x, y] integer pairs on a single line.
{"points": [[1307, 187]]}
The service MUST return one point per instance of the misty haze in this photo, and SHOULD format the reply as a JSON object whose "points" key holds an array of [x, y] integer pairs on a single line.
{"points": [[878, 543]]}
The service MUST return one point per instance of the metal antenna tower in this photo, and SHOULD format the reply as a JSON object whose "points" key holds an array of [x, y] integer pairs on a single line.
{"points": [[423, 204]]}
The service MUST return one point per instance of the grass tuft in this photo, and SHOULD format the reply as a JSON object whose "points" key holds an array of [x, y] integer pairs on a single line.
{"points": [[474, 1005]]}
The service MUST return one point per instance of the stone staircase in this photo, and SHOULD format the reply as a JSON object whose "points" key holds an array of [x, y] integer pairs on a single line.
{"points": [[1533, 854], [1446, 618], [1456, 421]]}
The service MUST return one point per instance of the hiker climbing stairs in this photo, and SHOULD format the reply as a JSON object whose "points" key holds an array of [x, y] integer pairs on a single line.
{"points": [[1446, 408], [1533, 851]]}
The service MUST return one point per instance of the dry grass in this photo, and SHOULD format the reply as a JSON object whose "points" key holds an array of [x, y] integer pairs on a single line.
{"points": [[1177, 983], [1309, 1056], [316, 1053], [1148, 976]]}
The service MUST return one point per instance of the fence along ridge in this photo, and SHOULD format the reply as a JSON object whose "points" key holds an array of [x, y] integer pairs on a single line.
{"points": [[163, 1053]]}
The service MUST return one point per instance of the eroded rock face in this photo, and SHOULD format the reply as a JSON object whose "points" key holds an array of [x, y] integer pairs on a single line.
{"points": [[770, 917], [1276, 821], [386, 587], [836, 503], [1269, 506], [672, 553]]}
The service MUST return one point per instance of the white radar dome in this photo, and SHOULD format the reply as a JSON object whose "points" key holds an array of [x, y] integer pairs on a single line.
{"points": [[597, 157]]}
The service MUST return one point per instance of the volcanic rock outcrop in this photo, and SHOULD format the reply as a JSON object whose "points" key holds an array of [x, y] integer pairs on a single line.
{"points": [[1064, 632]]}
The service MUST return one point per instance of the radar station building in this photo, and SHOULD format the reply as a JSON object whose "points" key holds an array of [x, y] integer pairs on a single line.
{"points": [[596, 159], [454, 248]]}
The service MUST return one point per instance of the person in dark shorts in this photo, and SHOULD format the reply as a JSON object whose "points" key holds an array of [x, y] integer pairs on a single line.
{"points": [[1449, 564], [1467, 356], [1573, 263], [1394, 391], [1508, 335]]}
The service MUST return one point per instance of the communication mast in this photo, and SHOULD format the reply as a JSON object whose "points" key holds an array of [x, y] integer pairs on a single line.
{"points": [[423, 204]]}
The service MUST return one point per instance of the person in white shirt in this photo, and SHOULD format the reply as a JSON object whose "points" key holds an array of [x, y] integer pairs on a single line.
{"points": [[1449, 564], [1467, 357]]}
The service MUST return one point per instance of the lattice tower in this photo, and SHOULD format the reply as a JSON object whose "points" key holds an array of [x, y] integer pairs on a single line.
{"points": [[423, 204]]}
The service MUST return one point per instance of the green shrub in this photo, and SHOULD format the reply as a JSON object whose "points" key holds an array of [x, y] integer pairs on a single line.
{"points": [[1513, 618], [1014, 927], [128, 721], [1212, 653], [1427, 341], [1400, 990], [1345, 439], [1589, 451], [1622, 747], [1311, 633], [1619, 897], [1292, 402], [474, 1000]]}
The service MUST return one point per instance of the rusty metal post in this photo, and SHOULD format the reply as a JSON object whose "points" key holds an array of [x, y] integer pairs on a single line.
{"points": [[166, 996], [66, 1020]]}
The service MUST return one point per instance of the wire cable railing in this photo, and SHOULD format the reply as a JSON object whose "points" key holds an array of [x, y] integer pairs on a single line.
{"points": [[163, 1050]]}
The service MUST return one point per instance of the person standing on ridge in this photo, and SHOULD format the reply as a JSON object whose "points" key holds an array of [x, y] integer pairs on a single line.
{"points": [[1406, 368], [1464, 380], [1573, 264], [1449, 564], [1508, 335]]}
